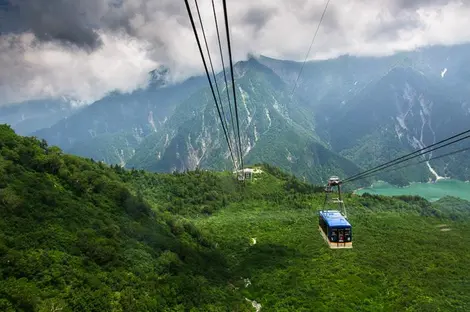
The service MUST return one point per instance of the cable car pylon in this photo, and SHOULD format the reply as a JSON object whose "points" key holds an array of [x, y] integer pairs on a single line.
{"points": [[333, 224]]}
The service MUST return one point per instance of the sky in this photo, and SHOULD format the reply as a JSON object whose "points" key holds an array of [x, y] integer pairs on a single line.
{"points": [[82, 50]]}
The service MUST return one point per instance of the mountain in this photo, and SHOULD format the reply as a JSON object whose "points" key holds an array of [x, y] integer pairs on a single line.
{"points": [[79, 235], [112, 128], [333, 82], [372, 110], [347, 114], [273, 129], [399, 113], [30, 116]]}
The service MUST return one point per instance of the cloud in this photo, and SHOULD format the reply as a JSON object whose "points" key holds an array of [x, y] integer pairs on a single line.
{"points": [[39, 70], [416, 4], [84, 49], [73, 22], [258, 16]]}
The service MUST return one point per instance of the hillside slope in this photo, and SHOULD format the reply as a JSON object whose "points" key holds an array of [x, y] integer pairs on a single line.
{"points": [[408, 254], [73, 237], [81, 236]]}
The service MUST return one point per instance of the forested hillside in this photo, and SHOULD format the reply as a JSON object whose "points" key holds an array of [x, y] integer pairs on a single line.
{"points": [[74, 237], [77, 235]]}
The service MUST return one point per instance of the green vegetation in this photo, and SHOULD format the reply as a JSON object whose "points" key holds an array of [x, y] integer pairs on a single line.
{"points": [[78, 235], [73, 236]]}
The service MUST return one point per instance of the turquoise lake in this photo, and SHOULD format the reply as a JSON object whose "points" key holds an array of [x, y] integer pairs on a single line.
{"points": [[430, 191]]}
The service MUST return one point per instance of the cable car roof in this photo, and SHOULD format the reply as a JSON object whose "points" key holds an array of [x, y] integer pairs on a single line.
{"points": [[334, 218]]}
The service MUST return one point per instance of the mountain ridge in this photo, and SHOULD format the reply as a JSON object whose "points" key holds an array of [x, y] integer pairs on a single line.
{"points": [[325, 112]]}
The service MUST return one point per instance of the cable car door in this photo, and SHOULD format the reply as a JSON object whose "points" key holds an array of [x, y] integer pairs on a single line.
{"points": [[341, 237]]}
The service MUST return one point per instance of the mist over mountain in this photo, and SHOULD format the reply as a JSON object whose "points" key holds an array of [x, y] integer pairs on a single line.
{"points": [[31, 116]]}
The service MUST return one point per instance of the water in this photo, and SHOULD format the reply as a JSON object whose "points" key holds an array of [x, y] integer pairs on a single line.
{"points": [[430, 191]]}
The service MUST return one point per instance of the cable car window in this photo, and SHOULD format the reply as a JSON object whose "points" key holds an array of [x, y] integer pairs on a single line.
{"points": [[334, 234]]}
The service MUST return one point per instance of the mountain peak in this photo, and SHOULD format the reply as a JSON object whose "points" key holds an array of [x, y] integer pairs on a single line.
{"points": [[159, 77], [251, 60], [253, 64]]}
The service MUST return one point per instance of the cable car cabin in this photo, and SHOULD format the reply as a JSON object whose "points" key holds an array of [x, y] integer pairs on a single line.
{"points": [[335, 229]]}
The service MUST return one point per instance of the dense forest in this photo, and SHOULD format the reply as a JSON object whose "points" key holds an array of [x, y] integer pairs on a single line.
{"points": [[79, 235]]}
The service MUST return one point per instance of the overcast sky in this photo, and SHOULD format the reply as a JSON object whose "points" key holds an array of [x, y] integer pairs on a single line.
{"points": [[82, 50]]}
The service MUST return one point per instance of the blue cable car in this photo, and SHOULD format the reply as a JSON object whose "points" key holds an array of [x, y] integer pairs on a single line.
{"points": [[335, 229]]}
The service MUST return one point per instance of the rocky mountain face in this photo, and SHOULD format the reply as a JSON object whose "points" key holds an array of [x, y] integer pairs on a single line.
{"points": [[273, 129], [113, 127], [376, 109], [402, 112], [347, 114]]}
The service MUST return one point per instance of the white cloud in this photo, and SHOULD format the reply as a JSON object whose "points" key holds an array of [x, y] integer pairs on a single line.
{"points": [[43, 70], [159, 33]]}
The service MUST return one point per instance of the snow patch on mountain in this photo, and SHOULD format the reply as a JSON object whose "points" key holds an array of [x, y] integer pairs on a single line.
{"points": [[268, 117], [245, 96], [151, 121], [443, 72]]}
